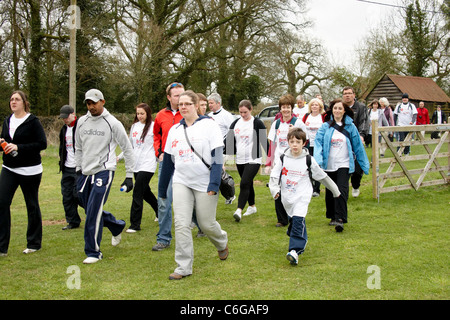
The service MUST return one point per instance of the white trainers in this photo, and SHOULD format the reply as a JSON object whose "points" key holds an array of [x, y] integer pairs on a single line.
{"points": [[355, 193], [250, 210], [292, 256], [91, 260], [115, 240], [237, 215], [129, 230], [230, 201], [27, 250]]}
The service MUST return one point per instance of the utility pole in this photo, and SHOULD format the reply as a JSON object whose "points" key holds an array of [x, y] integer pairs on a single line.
{"points": [[74, 24]]}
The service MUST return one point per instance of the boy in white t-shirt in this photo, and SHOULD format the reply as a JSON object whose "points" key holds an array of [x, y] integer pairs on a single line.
{"points": [[291, 178]]}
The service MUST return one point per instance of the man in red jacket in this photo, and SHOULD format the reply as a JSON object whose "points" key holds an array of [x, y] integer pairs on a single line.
{"points": [[164, 120], [422, 115]]}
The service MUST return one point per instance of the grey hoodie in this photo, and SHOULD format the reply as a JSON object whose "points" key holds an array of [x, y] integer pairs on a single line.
{"points": [[96, 141]]}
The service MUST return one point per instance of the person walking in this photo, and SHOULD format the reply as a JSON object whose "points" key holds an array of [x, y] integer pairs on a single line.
{"points": [[97, 135], [164, 121], [67, 167], [141, 138], [244, 139], [292, 177], [313, 120], [375, 113], [336, 144], [22, 140], [405, 114], [278, 143], [195, 160]]}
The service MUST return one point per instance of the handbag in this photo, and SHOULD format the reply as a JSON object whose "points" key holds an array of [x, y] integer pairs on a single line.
{"points": [[226, 187]]}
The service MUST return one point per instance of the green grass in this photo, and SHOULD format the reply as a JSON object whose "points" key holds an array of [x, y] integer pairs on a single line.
{"points": [[405, 234]]}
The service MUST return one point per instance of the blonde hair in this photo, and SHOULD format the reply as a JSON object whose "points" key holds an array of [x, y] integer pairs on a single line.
{"points": [[320, 104]]}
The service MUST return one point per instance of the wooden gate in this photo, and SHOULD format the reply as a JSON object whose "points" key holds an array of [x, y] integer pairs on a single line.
{"points": [[419, 165]]}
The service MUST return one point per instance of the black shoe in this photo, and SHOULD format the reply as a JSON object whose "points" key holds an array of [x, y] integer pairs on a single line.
{"points": [[339, 226], [70, 226]]}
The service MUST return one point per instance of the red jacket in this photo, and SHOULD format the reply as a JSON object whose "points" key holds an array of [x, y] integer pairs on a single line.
{"points": [[164, 120], [422, 116]]}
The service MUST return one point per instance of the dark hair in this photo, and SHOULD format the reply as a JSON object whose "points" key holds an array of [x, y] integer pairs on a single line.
{"points": [[348, 111], [287, 99], [348, 88], [148, 121], [296, 133], [22, 94], [247, 104]]}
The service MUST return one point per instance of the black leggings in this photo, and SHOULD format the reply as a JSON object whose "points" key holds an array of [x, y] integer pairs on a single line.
{"points": [[247, 172], [337, 207], [9, 182], [141, 192]]}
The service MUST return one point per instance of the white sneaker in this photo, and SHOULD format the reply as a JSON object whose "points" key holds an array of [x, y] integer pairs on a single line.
{"points": [[237, 215], [292, 256], [3, 254], [26, 251], [156, 219], [129, 230], [230, 201], [91, 260], [355, 193], [250, 210], [115, 240]]}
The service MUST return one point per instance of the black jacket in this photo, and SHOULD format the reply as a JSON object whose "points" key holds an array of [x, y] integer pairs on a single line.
{"points": [[360, 118], [30, 140], [62, 144], [434, 118]]}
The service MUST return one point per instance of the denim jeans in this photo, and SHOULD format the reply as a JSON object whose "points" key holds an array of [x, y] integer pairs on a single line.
{"points": [[298, 237], [164, 234]]}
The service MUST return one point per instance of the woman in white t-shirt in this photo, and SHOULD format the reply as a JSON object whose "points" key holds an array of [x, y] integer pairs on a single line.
{"points": [[141, 137], [336, 145], [244, 139], [194, 156], [22, 166], [313, 121]]}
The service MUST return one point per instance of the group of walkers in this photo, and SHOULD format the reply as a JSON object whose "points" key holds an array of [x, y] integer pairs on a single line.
{"points": [[189, 147]]}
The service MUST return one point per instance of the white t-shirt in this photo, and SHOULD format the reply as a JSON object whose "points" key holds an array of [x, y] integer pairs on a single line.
{"points": [[144, 153], [405, 113], [338, 156], [223, 119], [205, 136], [279, 136], [296, 187], [313, 123], [243, 133], [70, 159], [299, 113], [14, 123]]}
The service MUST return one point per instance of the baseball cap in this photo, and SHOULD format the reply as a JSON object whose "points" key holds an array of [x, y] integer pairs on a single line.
{"points": [[65, 111], [94, 95]]}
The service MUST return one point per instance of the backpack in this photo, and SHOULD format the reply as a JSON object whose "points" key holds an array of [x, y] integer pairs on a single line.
{"points": [[308, 165], [277, 124]]}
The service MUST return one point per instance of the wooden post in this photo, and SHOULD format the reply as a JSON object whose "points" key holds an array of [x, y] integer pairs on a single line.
{"points": [[73, 11], [375, 164]]}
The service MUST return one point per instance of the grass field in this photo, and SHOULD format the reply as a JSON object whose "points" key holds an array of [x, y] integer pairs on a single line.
{"points": [[399, 245]]}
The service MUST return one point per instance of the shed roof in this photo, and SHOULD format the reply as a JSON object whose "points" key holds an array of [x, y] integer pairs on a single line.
{"points": [[419, 88]]}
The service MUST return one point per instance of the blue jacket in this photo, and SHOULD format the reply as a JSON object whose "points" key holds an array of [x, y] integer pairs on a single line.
{"points": [[322, 144]]}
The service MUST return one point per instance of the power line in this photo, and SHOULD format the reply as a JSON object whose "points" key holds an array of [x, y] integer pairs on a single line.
{"points": [[392, 5]]}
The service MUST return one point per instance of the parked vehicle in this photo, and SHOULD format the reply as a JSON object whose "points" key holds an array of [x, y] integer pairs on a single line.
{"points": [[268, 113]]}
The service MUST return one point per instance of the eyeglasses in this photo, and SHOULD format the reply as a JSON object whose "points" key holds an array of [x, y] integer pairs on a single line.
{"points": [[187, 104]]}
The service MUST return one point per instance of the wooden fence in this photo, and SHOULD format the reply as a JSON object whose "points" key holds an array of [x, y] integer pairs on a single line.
{"points": [[379, 179]]}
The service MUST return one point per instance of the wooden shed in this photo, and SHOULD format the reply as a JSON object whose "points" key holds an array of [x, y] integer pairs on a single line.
{"points": [[419, 89]]}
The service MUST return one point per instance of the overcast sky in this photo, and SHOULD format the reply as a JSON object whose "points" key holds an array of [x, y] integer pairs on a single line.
{"points": [[341, 24]]}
